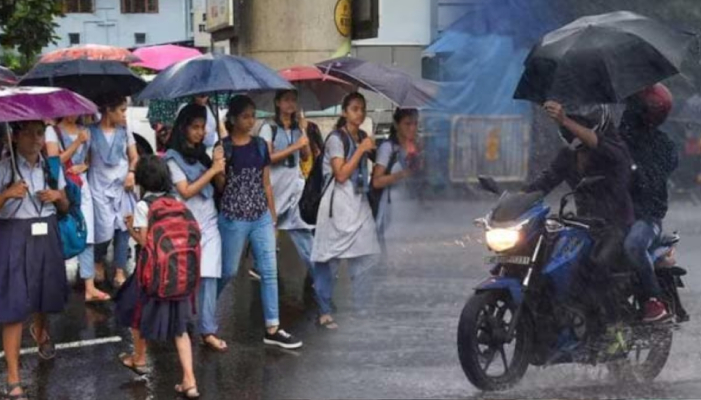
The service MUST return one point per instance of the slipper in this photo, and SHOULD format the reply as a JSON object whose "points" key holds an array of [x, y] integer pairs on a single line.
{"points": [[329, 325], [46, 350], [127, 362], [12, 386], [118, 283], [100, 298], [189, 393], [220, 347]]}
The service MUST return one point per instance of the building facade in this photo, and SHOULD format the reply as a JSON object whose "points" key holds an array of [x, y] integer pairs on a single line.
{"points": [[127, 23]]}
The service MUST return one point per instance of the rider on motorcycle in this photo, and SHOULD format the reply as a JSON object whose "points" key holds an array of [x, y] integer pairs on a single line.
{"points": [[655, 157]]}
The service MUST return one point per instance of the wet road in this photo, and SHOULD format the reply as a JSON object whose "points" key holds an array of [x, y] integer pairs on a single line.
{"points": [[404, 349]]}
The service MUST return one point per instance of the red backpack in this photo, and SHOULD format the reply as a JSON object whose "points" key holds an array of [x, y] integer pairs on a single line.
{"points": [[169, 262]]}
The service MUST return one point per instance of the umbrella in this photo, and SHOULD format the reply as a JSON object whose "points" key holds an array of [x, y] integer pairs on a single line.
{"points": [[90, 52], [7, 77], [212, 73], [316, 90], [159, 58], [602, 59], [39, 103], [91, 79], [397, 86]]}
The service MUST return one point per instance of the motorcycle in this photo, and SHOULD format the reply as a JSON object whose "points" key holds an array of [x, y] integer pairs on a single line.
{"points": [[526, 314]]}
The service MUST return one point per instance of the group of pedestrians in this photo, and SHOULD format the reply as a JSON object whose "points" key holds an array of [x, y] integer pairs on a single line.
{"points": [[239, 191]]}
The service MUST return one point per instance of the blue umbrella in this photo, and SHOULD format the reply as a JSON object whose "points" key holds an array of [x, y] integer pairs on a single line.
{"points": [[212, 73]]}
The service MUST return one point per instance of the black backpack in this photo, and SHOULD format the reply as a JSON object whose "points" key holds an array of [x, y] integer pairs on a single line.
{"points": [[375, 195], [315, 187]]}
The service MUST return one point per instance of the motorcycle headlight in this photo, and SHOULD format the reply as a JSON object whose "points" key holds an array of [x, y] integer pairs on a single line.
{"points": [[503, 239]]}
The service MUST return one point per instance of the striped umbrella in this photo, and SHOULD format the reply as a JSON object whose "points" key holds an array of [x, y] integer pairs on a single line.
{"points": [[95, 52]]}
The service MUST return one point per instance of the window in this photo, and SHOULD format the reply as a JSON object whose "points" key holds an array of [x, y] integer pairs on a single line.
{"points": [[78, 6], [73, 38], [140, 38], [366, 19], [203, 27], [139, 6], [204, 17]]}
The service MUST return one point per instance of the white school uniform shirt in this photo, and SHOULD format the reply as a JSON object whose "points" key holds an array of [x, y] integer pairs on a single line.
{"points": [[30, 206]]}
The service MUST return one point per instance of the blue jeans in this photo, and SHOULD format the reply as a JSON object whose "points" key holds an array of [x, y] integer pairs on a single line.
{"points": [[637, 246], [360, 269], [121, 250], [207, 306], [261, 235], [86, 262]]}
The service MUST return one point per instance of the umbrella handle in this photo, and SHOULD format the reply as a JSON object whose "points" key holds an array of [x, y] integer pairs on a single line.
{"points": [[12, 152]]}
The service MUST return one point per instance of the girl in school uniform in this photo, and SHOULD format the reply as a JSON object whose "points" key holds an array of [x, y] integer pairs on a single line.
{"points": [[152, 318], [288, 145], [248, 213], [113, 159], [71, 141], [392, 167], [345, 227], [32, 270], [192, 172]]}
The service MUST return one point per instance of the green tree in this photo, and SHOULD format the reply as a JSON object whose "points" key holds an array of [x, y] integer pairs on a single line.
{"points": [[28, 26]]}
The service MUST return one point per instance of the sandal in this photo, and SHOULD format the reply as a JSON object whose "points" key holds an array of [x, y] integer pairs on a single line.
{"points": [[46, 349], [212, 342], [12, 386], [329, 325], [127, 361], [189, 393], [100, 298]]}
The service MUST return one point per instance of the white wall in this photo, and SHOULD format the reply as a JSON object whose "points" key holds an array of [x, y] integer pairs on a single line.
{"points": [[402, 22], [107, 25]]}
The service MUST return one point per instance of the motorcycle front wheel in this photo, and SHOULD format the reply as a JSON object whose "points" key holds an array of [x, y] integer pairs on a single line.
{"points": [[484, 346]]}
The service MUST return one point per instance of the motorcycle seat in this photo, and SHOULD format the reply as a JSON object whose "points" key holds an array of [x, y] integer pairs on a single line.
{"points": [[667, 239]]}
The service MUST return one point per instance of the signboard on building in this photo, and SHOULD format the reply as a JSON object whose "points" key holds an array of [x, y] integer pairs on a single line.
{"points": [[220, 14], [343, 17]]}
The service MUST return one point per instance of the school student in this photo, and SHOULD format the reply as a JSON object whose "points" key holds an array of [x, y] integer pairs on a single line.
{"points": [[392, 167], [192, 172], [288, 145], [113, 159], [71, 141], [32, 271], [345, 227], [247, 213], [151, 317], [211, 136]]}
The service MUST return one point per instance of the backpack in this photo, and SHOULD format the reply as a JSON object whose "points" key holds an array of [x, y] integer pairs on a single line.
{"points": [[228, 146], [71, 225], [315, 187], [375, 195], [169, 261]]}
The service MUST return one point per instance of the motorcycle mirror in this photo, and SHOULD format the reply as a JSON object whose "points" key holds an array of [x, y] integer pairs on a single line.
{"points": [[590, 181], [489, 184]]}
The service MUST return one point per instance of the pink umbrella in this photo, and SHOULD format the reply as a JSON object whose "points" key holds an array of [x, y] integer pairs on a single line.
{"points": [[161, 57], [39, 103]]}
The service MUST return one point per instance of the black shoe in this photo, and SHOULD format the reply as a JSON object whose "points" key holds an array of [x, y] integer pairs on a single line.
{"points": [[282, 339]]}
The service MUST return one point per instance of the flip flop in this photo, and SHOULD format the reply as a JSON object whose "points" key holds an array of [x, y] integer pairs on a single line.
{"points": [[12, 386], [329, 325], [222, 348], [46, 350], [127, 362], [100, 298], [188, 393]]}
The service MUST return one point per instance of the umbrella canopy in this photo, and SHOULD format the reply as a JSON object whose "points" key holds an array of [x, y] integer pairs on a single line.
{"points": [[90, 52], [603, 59], [39, 103], [7, 77], [159, 58], [316, 90], [397, 86], [213, 73], [91, 79]]}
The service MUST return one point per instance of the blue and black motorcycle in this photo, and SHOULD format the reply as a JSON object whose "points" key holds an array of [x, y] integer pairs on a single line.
{"points": [[534, 309]]}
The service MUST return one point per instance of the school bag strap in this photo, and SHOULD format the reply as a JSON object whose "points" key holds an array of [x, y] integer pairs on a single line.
{"points": [[228, 146]]}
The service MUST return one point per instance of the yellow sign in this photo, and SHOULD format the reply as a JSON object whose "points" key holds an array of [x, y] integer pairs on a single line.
{"points": [[343, 16], [493, 144]]}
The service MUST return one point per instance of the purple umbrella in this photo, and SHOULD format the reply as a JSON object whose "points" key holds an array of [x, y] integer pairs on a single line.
{"points": [[397, 86], [7, 77], [40, 103]]}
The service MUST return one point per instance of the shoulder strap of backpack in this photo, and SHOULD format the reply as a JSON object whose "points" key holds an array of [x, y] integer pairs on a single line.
{"points": [[228, 147], [50, 176], [59, 134], [274, 129], [393, 158], [262, 145]]}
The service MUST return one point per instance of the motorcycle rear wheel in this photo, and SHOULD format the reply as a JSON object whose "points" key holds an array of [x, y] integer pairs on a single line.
{"points": [[483, 323], [638, 369]]}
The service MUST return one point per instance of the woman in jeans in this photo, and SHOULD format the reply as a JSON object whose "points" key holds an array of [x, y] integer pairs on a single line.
{"points": [[113, 159], [345, 227], [247, 212]]}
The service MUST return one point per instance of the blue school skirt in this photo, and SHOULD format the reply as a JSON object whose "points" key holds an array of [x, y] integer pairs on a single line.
{"points": [[159, 320], [32, 270]]}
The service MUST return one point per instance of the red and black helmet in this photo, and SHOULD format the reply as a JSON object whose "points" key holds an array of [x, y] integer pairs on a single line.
{"points": [[654, 104]]}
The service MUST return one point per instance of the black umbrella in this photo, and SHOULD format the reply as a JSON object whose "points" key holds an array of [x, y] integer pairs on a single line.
{"points": [[397, 86], [92, 79], [603, 59]]}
